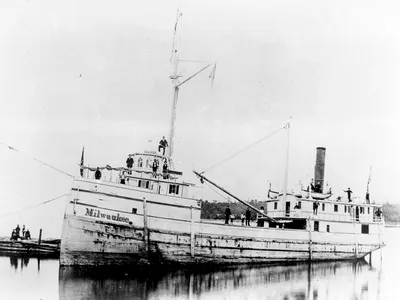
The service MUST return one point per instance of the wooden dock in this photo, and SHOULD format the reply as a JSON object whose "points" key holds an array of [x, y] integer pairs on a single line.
{"points": [[48, 247]]}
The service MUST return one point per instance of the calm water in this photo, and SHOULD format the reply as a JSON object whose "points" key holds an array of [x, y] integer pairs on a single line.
{"points": [[32, 278]]}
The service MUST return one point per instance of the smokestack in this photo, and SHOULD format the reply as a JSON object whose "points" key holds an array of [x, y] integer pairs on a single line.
{"points": [[320, 168]]}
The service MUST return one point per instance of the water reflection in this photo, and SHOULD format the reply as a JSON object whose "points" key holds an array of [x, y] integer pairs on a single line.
{"points": [[335, 280], [16, 261], [21, 261]]}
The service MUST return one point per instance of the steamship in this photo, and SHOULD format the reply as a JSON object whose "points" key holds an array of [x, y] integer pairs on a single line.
{"points": [[137, 216]]}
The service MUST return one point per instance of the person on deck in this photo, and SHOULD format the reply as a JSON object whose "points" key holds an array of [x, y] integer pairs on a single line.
{"points": [[23, 230], [122, 177], [297, 206], [27, 235], [227, 214], [312, 185], [232, 218], [242, 217], [165, 170], [163, 144], [129, 163], [378, 213], [248, 215], [97, 174], [315, 207], [260, 222], [349, 192], [155, 167], [13, 235], [17, 230], [318, 188]]}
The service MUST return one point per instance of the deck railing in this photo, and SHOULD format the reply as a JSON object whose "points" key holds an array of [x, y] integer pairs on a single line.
{"points": [[326, 216]]}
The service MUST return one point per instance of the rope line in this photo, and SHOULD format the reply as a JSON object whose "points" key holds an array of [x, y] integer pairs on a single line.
{"points": [[38, 160], [33, 206], [244, 149], [215, 190]]}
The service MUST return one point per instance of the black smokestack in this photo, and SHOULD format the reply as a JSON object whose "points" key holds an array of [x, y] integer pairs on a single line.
{"points": [[320, 168]]}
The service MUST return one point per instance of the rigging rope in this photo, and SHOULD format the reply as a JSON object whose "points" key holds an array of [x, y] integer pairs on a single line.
{"points": [[223, 196], [46, 164], [29, 207], [244, 149]]}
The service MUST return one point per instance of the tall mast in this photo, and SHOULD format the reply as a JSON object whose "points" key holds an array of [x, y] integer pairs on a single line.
{"points": [[175, 78], [285, 179], [175, 82]]}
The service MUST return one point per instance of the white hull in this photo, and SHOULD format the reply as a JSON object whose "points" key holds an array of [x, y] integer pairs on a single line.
{"points": [[103, 230]]}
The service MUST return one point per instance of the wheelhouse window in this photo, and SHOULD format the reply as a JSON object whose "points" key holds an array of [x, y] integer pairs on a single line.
{"points": [[323, 206], [148, 163], [144, 184], [316, 225], [328, 229], [335, 208], [174, 189], [276, 205], [140, 162]]}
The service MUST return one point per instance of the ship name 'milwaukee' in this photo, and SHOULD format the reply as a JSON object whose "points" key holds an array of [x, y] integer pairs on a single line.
{"points": [[96, 213]]}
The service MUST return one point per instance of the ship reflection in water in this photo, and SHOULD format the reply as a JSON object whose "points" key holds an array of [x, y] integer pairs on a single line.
{"points": [[43, 279], [344, 280]]}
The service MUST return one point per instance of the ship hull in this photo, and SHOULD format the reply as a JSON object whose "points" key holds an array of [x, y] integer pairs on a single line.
{"points": [[166, 235]]}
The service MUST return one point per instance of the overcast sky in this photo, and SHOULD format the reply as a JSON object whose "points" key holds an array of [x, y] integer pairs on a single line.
{"points": [[95, 74]]}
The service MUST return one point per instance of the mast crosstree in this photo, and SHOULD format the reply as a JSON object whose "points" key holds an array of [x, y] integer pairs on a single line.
{"points": [[175, 78]]}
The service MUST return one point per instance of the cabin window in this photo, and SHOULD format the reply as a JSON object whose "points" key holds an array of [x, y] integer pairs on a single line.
{"points": [[148, 163], [365, 228], [276, 205], [299, 204], [134, 210], [345, 208], [174, 189], [140, 162], [323, 206], [328, 228], [335, 208], [368, 210], [316, 225], [144, 184]]}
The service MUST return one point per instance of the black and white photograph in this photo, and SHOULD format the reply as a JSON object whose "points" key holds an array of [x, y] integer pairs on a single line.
{"points": [[202, 150]]}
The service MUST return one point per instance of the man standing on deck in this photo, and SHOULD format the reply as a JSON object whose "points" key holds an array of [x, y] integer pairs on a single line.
{"points": [[318, 188], [312, 185], [17, 230], [97, 174], [315, 207], [162, 145], [165, 170], [260, 220], [248, 215], [155, 167], [129, 163], [227, 214], [349, 192]]}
